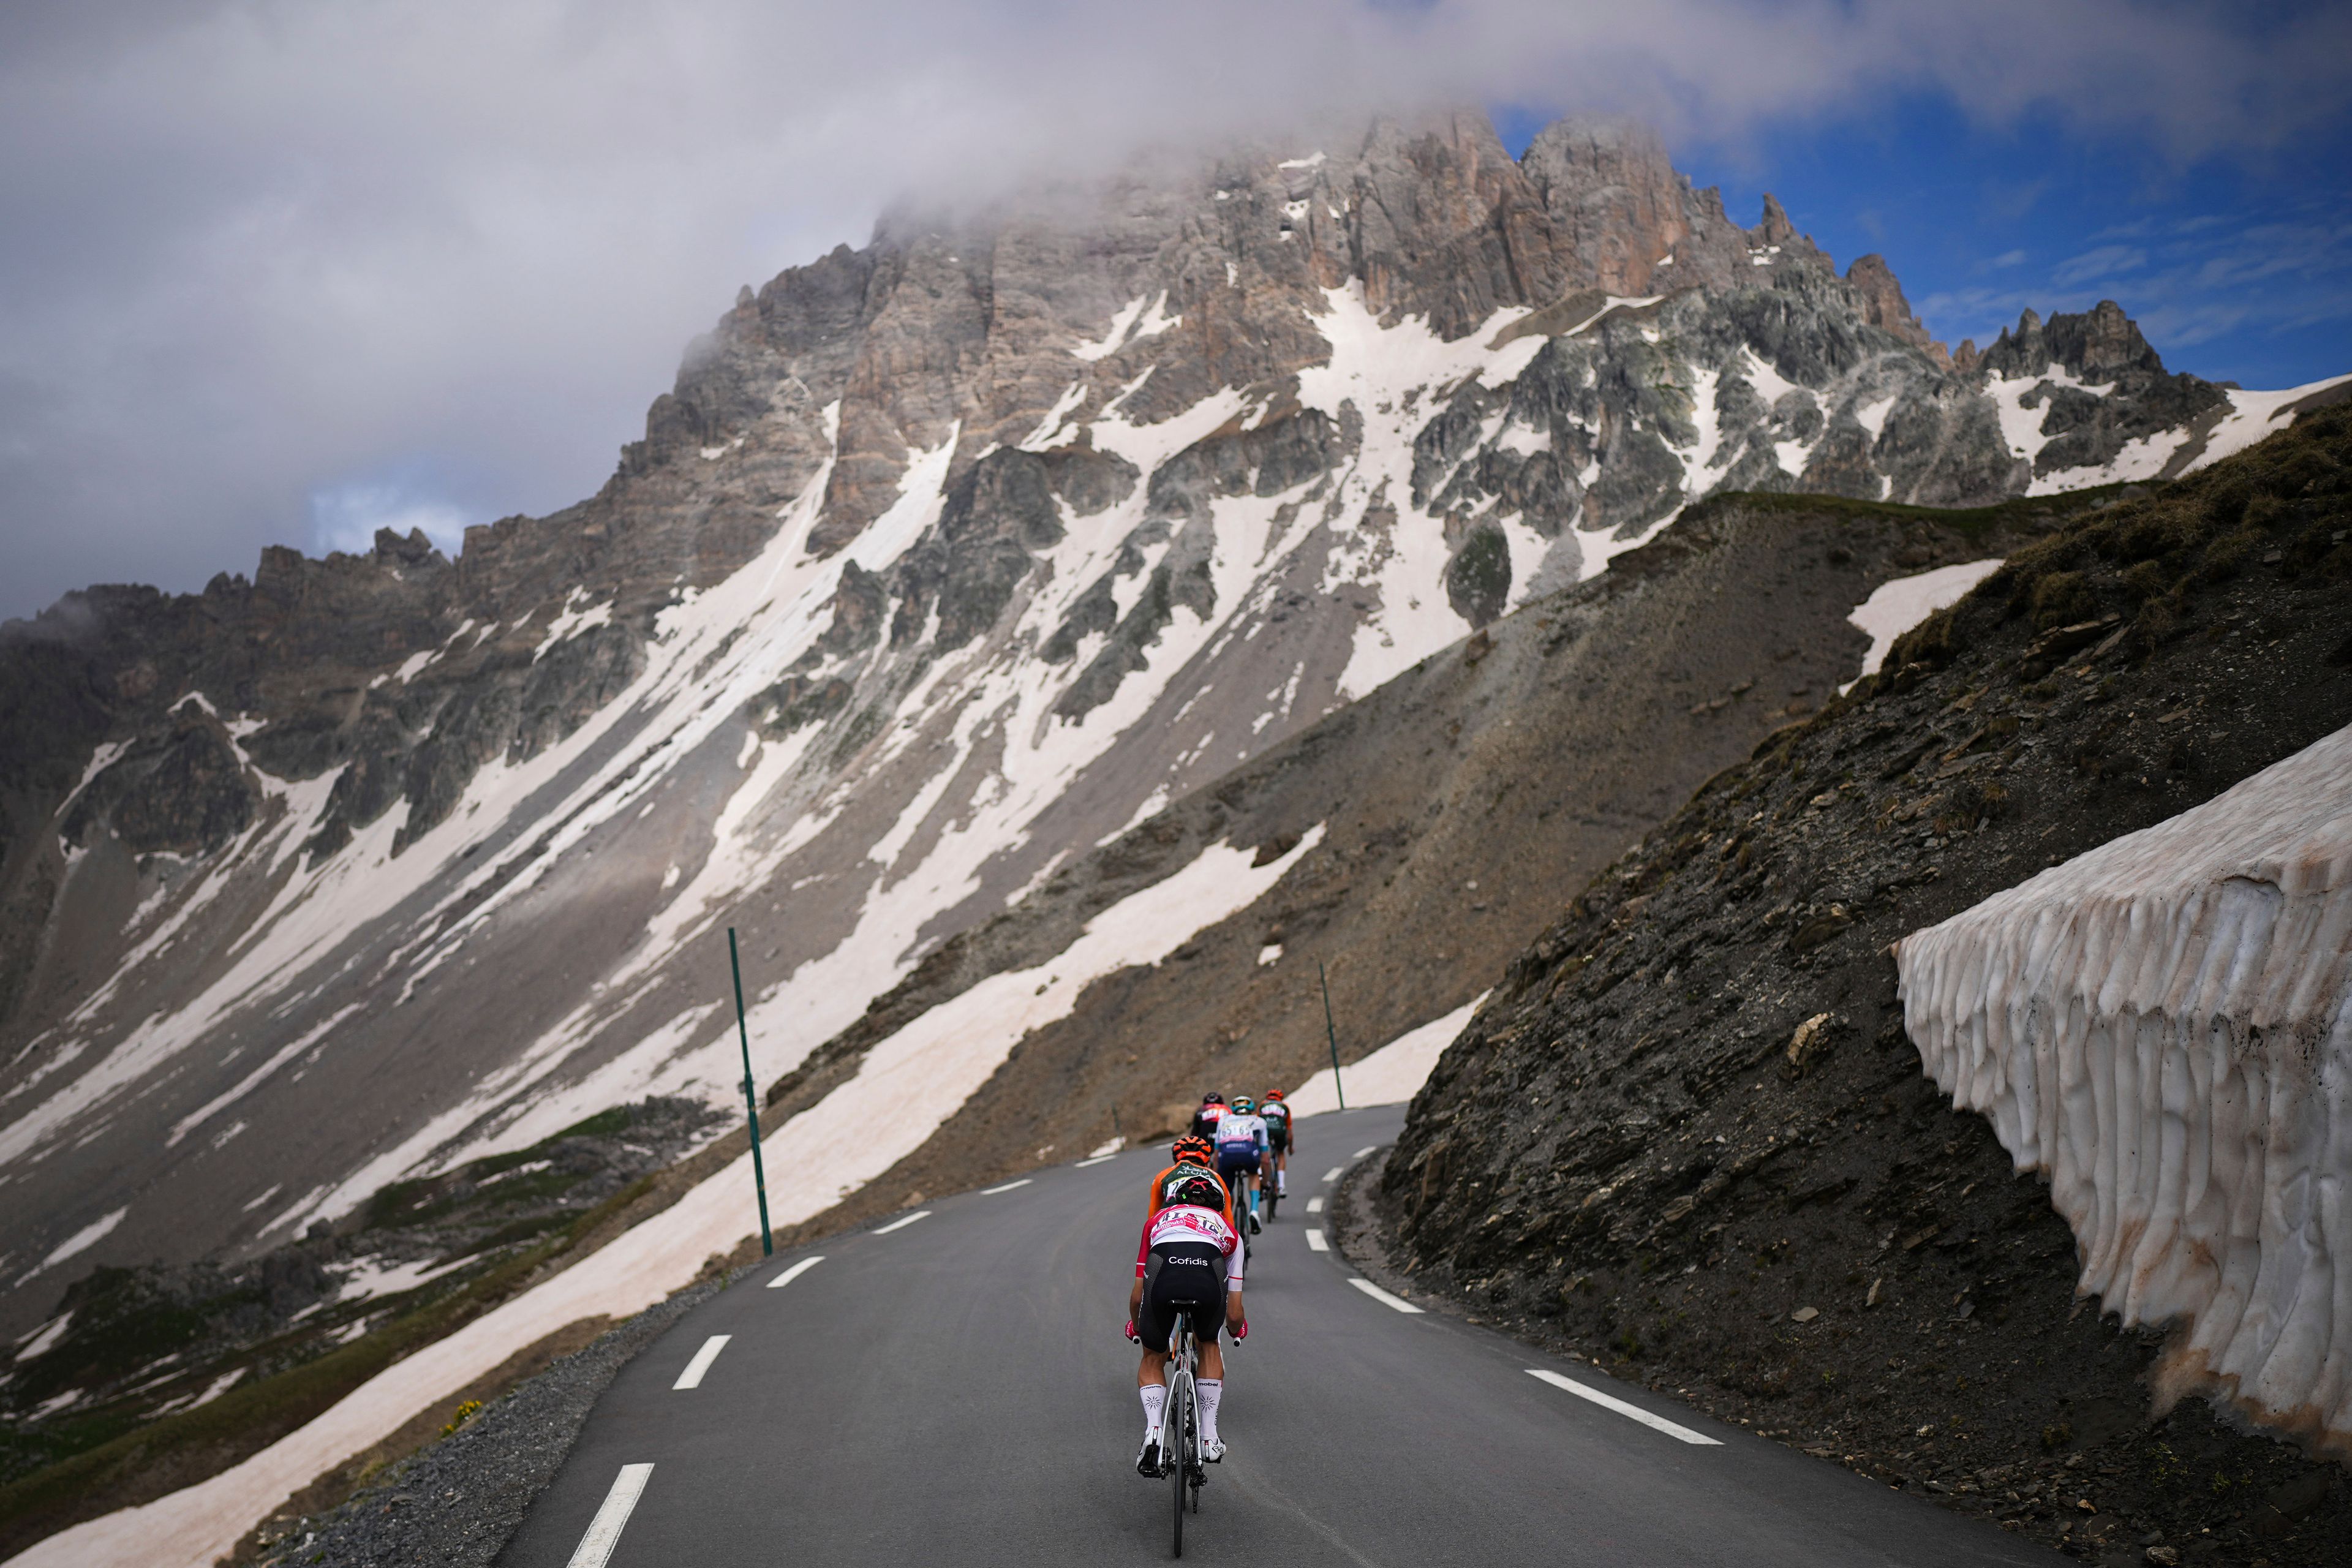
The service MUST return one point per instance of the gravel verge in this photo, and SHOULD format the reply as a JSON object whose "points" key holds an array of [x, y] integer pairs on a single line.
{"points": [[457, 1503]]}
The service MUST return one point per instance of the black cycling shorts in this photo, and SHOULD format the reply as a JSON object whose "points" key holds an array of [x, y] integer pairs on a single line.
{"points": [[1232, 1168], [1186, 1276], [1278, 1136]]}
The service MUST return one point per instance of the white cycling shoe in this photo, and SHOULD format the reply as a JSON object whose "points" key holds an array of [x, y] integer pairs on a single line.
{"points": [[1212, 1450]]}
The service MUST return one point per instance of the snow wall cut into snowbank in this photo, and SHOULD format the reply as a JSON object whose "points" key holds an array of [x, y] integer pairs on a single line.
{"points": [[2164, 1026]]}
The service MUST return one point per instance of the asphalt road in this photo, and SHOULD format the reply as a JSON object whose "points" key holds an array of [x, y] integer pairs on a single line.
{"points": [[958, 1390]]}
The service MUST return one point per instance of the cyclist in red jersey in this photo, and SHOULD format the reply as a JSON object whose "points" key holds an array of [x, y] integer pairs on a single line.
{"points": [[1189, 1260], [1212, 1107]]}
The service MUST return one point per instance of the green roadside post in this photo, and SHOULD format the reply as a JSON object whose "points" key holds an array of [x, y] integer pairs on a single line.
{"points": [[1331, 1034], [750, 1099]]}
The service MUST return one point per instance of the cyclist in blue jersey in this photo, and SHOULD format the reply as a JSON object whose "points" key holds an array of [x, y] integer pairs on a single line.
{"points": [[1241, 1140]]}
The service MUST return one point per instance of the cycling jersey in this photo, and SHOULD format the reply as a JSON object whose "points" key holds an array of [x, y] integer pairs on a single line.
{"points": [[1188, 1225], [1205, 1119], [1163, 1183], [1239, 1137], [1276, 1118]]}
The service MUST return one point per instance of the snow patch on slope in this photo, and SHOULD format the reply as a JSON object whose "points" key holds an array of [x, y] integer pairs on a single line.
{"points": [[2163, 1026], [907, 1086], [1389, 1076], [1894, 607]]}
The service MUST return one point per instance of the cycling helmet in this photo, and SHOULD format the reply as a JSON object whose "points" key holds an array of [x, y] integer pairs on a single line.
{"points": [[1213, 1098], [1203, 1191], [1272, 1094], [1243, 1105], [1193, 1148]]}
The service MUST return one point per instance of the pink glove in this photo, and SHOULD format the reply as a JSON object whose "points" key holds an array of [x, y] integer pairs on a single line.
{"points": [[1132, 1337], [1240, 1330]]}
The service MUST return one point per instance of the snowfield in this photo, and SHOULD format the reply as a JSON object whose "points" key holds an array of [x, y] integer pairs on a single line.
{"points": [[2164, 1026], [907, 1085]]}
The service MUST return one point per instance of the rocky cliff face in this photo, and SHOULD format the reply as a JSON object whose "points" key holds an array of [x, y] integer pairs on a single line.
{"points": [[1688, 1135], [945, 559]]}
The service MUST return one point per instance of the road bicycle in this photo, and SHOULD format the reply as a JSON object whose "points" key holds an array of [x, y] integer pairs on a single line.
{"points": [[1180, 1464]]}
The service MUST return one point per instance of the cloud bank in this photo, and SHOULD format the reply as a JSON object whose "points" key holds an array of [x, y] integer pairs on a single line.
{"points": [[278, 271]]}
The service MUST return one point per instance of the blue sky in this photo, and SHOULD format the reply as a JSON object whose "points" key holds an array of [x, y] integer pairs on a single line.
{"points": [[2237, 266]]}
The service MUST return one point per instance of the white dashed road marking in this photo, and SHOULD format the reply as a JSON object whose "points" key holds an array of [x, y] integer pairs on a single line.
{"points": [[1365, 1149], [1315, 1242], [902, 1224], [604, 1530], [1315, 1206], [794, 1272], [989, 1192], [692, 1376], [1333, 1173], [1098, 1160], [1383, 1298], [1610, 1401]]}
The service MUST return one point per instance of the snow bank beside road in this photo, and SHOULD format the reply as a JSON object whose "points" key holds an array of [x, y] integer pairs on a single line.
{"points": [[907, 1085], [2163, 1026], [1390, 1075]]}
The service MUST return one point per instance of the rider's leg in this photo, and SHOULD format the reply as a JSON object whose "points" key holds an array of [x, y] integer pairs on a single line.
{"points": [[1151, 1386], [1282, 1171], [1210, 1385]]}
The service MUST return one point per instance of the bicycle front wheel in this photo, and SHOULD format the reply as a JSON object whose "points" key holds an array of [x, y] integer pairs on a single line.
{"points": [[1176, 1448]]}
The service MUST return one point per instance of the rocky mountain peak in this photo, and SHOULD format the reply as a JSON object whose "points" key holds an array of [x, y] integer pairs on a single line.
{"points": [[2101, 344], [1885, 307], [945, 559]]}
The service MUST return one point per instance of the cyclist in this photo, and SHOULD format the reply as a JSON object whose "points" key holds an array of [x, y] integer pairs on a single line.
{"points": [[1213, 1108], [1278, 1137], [1191, 1155], [1240, 1155], [1190, 1260]]}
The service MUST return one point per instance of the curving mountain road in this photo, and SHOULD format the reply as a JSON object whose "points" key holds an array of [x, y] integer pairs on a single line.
{"points": [[955, 1389]]}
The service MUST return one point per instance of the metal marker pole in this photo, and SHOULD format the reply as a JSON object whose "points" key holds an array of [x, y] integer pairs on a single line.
{"points": [[750, 1100], [1331, 1034]]}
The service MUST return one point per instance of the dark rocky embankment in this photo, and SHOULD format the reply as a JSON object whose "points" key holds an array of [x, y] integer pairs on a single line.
{"points": [[1688, 1138]]}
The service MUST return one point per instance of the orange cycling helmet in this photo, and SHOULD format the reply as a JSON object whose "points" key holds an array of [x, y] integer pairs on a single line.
{"points": [[1274, 1094], [1193, 1146]]}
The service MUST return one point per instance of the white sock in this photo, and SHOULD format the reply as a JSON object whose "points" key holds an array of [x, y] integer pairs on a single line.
{"points": [[1212, 1390], [1282, 1183], [1155, 1399]]}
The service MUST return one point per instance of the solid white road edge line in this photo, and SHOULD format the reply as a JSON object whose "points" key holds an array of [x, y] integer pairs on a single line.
{"points": [[604, 1530], [987, 1191], [794, 1272], [1610, 1401], [1383, 1298], [692, 1376], [1315, 1206], [1098, 1160], [901, 1223], [1364, 1151], [1333, 1173], [1317, 1242]]}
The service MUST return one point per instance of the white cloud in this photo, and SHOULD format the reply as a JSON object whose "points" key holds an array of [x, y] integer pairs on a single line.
{"points": [[2104, 262], [258, 248]]}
